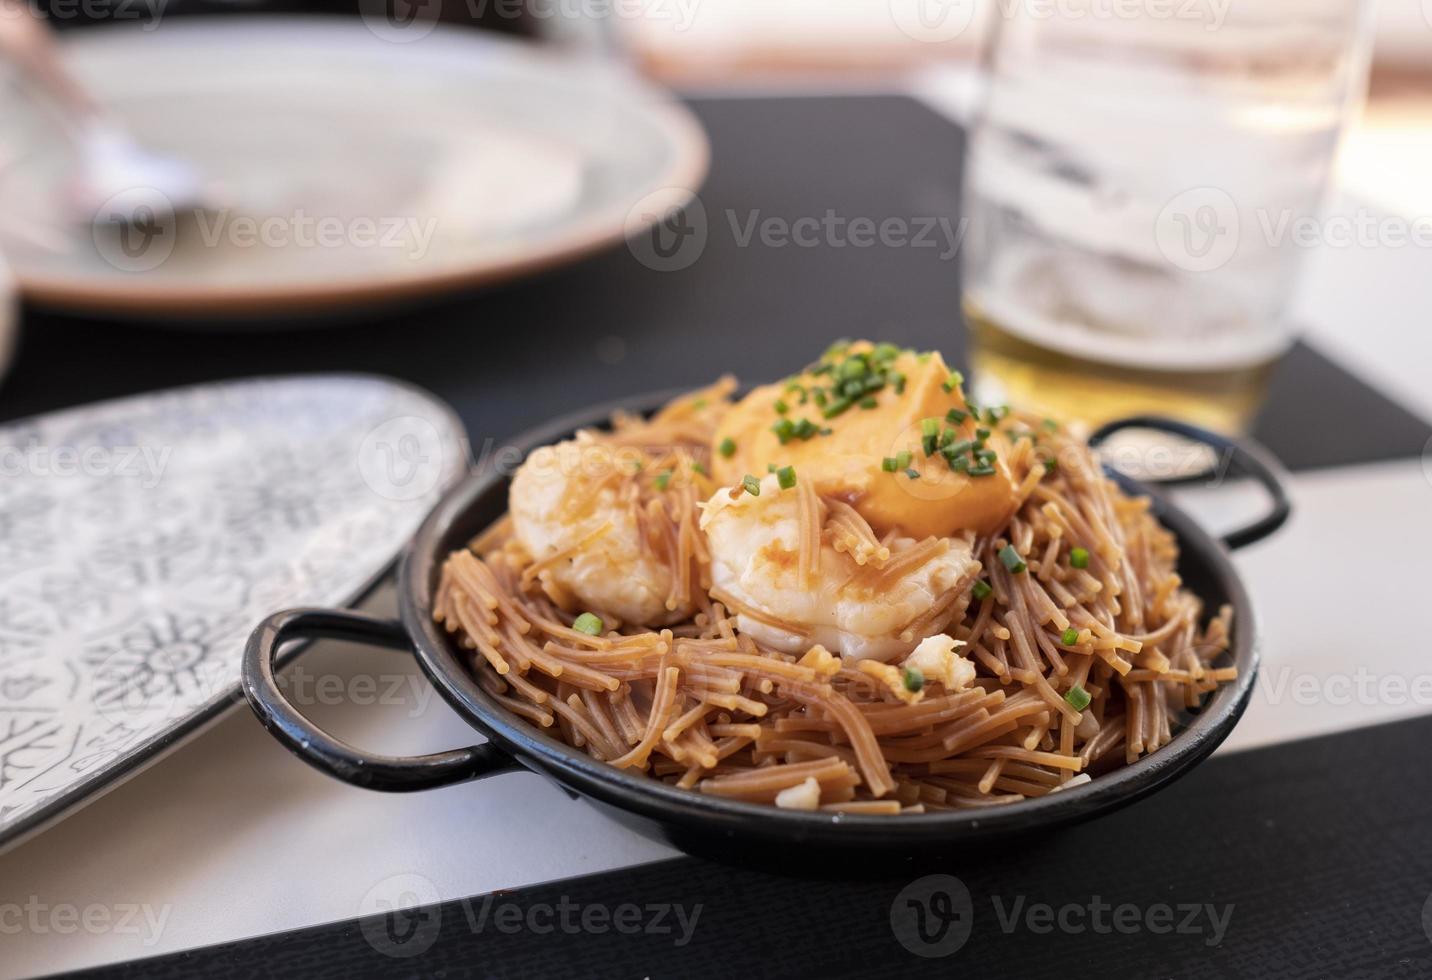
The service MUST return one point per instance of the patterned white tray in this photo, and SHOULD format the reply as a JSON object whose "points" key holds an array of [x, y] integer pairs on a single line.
{"points": [[141, 540]]}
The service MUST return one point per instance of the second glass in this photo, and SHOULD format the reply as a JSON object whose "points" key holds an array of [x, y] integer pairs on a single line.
{"points": [[1131, 182]]}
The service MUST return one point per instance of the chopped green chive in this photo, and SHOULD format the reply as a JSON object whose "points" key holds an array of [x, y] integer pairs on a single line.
{"points": [[929, 435], [913, 474], [913, 679], [1051, 465], [1051, 425], [663, 480], [902, 459], [1011, 559], [786, 477], [982, 433], [953, 381], [785, 430], [781, 407], [1069, 637], [868, 402], [983, 469], [837, 407], [1077, 697], [588, 623], [956, 417], [751, 485], [1079, 557], [899, 382], [770, 467], [727, 447], [982, 589], [698, 468], [889, 464], [805, 429]]}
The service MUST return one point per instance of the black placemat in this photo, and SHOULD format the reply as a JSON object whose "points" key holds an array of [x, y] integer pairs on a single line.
{"points": [[516, 356], [1307, 860]]}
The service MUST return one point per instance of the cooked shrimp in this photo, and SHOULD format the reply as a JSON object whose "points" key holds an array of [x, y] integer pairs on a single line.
{"points": [[599, 537], [864, 612]]}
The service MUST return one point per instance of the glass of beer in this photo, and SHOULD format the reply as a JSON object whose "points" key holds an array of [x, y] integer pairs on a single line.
{"points": [[1132, 176]]}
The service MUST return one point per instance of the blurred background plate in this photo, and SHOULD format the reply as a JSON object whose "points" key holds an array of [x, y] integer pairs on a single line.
{"points": [[351, 168]]}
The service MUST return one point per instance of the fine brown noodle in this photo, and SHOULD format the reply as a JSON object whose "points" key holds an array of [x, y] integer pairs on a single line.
{"points": [[702, 706]]}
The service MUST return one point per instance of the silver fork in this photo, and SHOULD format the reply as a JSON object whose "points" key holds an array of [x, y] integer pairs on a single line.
{"points": [[120, 181]]}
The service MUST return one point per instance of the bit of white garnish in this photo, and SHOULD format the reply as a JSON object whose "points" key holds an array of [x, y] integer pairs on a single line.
{"points": [[1078, 780], [937, 660], [806, 796]]}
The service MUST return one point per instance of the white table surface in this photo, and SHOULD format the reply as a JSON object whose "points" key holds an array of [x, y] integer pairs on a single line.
{"points": [[232, 837]]}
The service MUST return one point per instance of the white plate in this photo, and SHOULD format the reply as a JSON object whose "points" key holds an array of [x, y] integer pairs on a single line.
{"points": [[351, 168], [142, 540]]}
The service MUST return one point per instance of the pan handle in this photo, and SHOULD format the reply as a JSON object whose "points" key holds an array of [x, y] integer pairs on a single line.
{"points": [[324, 752], [1246, 457]]}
